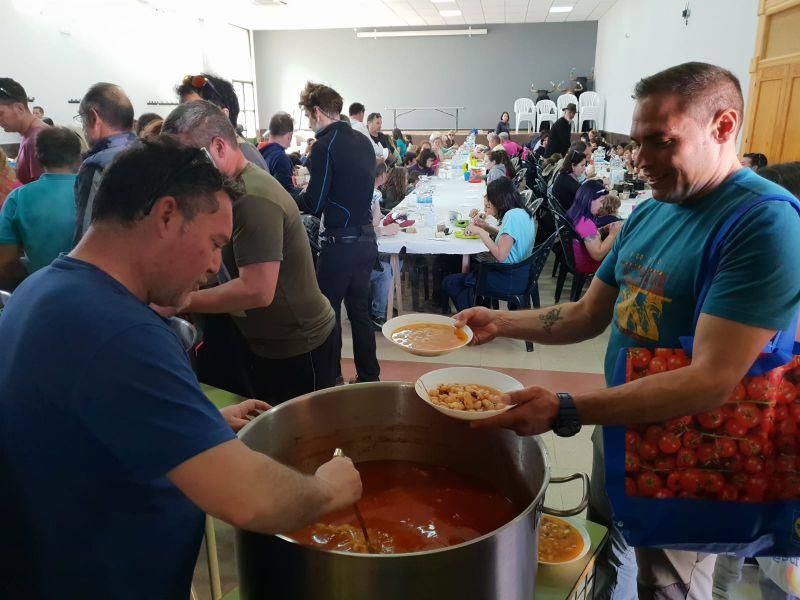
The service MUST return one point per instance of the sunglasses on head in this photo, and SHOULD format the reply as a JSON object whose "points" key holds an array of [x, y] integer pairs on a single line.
{"points": [[198, 82], [9, 95]]}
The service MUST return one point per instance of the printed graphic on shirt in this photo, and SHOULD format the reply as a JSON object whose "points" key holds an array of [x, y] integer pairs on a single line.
{"points": [[640, 309]]}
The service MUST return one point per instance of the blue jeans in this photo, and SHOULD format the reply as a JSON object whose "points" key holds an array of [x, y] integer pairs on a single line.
{"points": [[380, 282], [461, 288]]}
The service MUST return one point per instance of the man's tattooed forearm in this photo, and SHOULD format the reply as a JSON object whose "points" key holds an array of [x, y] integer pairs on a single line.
{"points": [[550, 318]]}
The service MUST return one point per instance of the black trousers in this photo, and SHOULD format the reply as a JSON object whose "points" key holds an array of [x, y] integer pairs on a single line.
{"points": [[277, 380], [343, 273], [223, 357]]}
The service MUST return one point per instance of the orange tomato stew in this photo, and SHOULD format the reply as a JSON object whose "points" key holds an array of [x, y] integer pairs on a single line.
{"points": [[411, 507], [429, 336], [558, 540]]}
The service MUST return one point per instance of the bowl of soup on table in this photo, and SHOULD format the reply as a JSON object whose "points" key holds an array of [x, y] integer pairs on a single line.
{"points": [[426, 335], [561, 541], [467, 393]]}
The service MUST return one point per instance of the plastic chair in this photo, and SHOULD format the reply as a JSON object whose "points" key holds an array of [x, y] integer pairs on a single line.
{"points": [[525, 110], [591, 107], [561, 104], [565, 254], [545, 112], [527, 294], [519, 178]]}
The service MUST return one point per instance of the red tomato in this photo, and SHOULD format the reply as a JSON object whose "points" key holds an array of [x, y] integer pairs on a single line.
{"points": [[632, 441], [712, 481], [648, 483], [669, 443], [653, 433], [757, 389], [677, 362], [665, 463], [784, 463], [735, 428], [734, 464], [728, 492], [791, 487], [739, 393], [707, 454], [648, 451], [748, 414], [630, 487], [678, 425], [794, 411], [725, 448], [632, 462], [673, 481], [767, 425], [664, 493], [657, 365], [767, 447], [787, 393], [691, 439], [690, 481], [685, 458], [756, 487], [751, 446], [663, 352], [774, 488], [786, 444], [787, 427], [639, 357], [753, 465], [739, 480], [781, 412], [711, 419]]}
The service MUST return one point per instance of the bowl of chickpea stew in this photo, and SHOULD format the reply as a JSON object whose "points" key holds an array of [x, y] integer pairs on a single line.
{"points": [[466, 393]]}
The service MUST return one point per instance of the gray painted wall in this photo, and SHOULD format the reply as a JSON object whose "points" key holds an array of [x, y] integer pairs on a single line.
{"points": [[485, 74]]}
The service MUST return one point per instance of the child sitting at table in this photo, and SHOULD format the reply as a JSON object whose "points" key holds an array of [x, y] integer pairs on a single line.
{"points": [[512, 244], [608, 210], [424, 163], [380, 280]]}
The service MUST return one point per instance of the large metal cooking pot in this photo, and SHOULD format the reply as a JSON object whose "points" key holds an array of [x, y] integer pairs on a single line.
{"points": [[388, 421]]}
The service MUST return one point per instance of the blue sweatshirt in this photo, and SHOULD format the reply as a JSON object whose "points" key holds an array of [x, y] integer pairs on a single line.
{"points": [[280, 166]]}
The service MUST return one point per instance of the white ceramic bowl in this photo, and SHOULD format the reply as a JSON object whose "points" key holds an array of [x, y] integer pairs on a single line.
{"points": [[587, 542], [393, 325], [499, 381]]}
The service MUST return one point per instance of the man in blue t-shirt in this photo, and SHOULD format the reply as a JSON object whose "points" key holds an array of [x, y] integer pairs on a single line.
{"points": [[109, 451], [686, 119]]}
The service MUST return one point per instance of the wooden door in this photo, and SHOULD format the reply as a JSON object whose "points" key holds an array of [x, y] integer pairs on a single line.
{"points": [[772, 117]]}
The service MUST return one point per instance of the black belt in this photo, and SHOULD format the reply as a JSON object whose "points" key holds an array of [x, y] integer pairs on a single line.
{"points": [[348, 235]]}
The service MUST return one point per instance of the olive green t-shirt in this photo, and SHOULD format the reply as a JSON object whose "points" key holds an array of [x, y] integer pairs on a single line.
{"points": [[267, 228]]}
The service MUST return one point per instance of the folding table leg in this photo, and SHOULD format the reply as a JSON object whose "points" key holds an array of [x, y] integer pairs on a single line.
{"points": [[396, 289]]}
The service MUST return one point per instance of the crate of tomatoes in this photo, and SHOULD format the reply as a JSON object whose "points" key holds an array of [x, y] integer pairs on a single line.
{"points": [[726, 480]]}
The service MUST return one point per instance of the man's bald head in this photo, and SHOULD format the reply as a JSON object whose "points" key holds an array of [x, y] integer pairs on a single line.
{"points": [[110, 104]]}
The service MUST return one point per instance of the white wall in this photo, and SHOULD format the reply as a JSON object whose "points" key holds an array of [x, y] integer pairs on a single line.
{"points": [[57, 50], [641, 37]]}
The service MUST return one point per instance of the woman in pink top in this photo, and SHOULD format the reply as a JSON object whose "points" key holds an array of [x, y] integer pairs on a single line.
{"points": [[595, 243]]}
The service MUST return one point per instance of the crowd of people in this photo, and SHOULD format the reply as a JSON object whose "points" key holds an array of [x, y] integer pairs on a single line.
{"points": [[107, 233]]}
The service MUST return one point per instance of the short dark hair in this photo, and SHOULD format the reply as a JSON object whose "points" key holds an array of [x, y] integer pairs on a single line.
{"points": [[380, 169], [373, 116], [39, 107], [217, 91], [786, 175], [326, 98], [579, 146], [759, 160], [356, 108], [144, 119], [423, 156], [703, 86], [12, 92], [502, 195], [110, 103], [58, 147], [281, 123], [47, 120], [200, 122], [172, 169]]}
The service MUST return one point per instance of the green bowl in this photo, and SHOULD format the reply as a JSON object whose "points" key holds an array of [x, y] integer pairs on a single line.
{"points": [[463, 223]]}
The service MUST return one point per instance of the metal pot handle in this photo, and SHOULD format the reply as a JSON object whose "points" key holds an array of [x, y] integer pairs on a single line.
{"points": [[569, 512]]}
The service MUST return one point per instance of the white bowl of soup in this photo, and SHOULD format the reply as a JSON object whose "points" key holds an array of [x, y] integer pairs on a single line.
{"points": [[426, 335], [561, 541], [467, 393]]}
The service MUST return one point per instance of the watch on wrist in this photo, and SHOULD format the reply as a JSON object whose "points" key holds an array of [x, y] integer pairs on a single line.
{"points": [[567, 422]]}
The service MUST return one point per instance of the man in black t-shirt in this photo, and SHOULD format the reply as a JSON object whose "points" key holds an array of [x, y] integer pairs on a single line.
{"points": [[561, 131]]}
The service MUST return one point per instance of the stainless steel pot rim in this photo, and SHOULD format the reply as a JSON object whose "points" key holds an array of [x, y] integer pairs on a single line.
{"points": [[537, 502]]}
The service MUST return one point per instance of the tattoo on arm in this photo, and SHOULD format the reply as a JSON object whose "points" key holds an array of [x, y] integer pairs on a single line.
{"points": [[550, 318]]}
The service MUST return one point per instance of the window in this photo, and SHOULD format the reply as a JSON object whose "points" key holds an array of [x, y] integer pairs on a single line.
{"points": [[247, 107]]}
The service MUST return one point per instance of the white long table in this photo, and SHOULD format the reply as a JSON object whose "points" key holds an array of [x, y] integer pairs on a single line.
{"points": [[450, 194]]}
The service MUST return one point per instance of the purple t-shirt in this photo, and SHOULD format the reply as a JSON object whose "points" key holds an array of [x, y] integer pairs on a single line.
{"points": [[28, 166], [584, 263]]}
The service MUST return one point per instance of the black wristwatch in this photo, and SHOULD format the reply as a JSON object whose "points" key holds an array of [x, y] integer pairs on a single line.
{"points": [[567, 422]]}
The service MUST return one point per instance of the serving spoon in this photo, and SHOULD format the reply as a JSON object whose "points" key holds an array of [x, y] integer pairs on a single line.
{"points": [[370, 548]]}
